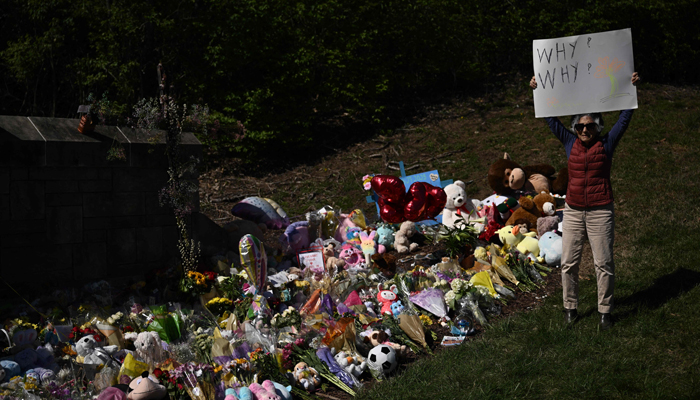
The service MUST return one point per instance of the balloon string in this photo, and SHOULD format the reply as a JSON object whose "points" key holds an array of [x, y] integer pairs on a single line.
{"points": [[20, 296]]}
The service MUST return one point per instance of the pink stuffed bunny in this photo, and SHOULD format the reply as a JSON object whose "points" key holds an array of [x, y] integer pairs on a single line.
{"points": [[262, 393]]}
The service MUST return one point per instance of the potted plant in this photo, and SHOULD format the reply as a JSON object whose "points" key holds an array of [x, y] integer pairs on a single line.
{"points": [[87, 123], [97, 111]]}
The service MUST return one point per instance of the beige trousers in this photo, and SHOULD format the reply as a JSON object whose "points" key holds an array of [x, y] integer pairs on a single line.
{"points": [[598, 224]]}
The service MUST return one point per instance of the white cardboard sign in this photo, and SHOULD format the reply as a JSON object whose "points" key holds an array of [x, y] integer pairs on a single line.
{"points": [[586, 73]]}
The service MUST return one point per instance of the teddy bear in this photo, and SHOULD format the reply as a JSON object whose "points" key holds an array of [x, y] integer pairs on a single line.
{"points": [[527, 210], [458, 206], [396, 308], [333, 263], [551, 246], [148, 346], [385, 238], [505, 176], [306, 376], [549, 221], [90, 352], [349, 364], [401, 242], [9, 369]]}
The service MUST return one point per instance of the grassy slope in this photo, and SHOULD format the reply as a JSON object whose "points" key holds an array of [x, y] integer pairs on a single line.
{"points": [[654, 350]]}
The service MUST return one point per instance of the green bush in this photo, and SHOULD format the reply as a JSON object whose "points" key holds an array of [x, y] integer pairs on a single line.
{"points": [[292, 72]]}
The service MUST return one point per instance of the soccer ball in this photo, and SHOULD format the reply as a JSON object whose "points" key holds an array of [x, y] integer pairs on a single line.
{"points": [[382, 358]]}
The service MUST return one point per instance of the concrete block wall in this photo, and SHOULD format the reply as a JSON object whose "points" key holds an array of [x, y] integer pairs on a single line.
{"points": [[69, 215]]}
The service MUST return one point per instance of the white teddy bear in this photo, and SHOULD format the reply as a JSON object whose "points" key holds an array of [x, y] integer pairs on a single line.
{"points": [[349, 364], [91, 352], [458, 205], [149, 347]]}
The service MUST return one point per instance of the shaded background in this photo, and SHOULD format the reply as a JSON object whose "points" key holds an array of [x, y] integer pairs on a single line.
{"points": [[309, 72]]}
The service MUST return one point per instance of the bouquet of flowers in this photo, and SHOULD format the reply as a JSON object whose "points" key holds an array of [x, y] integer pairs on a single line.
{"points": [[197, 379], [176, 390], [195, 283], [231, 287], [313, 360], [431, 299], [169, 325], [468, 304], [242, 307], [459, 287], [520, 270], [78, 333], [417, 280], [110, 328], [289, 317], [219, 305]]}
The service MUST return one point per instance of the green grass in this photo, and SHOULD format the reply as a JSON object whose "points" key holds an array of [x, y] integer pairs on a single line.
{"points": [[653, 352]]}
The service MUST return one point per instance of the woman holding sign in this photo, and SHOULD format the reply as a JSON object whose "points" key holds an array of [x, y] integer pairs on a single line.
{"points": [[589, 210]]}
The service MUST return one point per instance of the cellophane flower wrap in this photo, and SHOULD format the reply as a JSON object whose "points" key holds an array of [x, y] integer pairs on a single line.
{"points": [[432, 300], [459, 287], [168, 325], [325, 355]]}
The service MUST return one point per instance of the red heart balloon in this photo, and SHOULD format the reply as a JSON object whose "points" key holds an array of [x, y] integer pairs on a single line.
{"points": [[389, 188], [437, 198], [414, 210], [390, 212]]}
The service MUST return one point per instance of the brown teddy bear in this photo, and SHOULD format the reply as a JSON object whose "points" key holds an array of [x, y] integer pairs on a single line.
{"points": [[505, 176], [402, 244], [545, 203], [549, 221], [333, 264], [527, 210]]}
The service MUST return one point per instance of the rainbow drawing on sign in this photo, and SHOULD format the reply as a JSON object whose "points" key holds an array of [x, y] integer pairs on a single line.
{"points": [[604, 69]]}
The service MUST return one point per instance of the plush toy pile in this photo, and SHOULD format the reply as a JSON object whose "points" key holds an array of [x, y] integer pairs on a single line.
{"points": [[338, 300]]}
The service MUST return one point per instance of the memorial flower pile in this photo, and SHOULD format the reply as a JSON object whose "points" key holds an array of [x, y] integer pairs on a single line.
{"points": [[290, 319]]}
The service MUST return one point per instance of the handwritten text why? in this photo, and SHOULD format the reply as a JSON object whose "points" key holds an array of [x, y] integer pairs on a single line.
{"points": [[561, 66], [585, 73]]}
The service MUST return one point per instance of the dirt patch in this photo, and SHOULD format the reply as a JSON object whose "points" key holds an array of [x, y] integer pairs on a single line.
{"points": [[460, 139]]}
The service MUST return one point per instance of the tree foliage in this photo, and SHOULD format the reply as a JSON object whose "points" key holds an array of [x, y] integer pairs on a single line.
{"points": [[288, 70]]}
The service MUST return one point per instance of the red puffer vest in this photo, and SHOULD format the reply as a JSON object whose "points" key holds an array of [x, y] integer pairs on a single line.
{"points": [[589, 176]]}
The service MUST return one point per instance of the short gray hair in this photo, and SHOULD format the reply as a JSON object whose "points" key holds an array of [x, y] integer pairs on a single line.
{"points": [[596, 117]]}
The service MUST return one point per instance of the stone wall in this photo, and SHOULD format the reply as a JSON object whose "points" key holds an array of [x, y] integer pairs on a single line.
{"points": [[69, 215]]}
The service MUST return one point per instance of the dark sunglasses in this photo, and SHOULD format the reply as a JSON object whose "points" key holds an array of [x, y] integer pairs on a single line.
{"points": [[591, 126]]}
